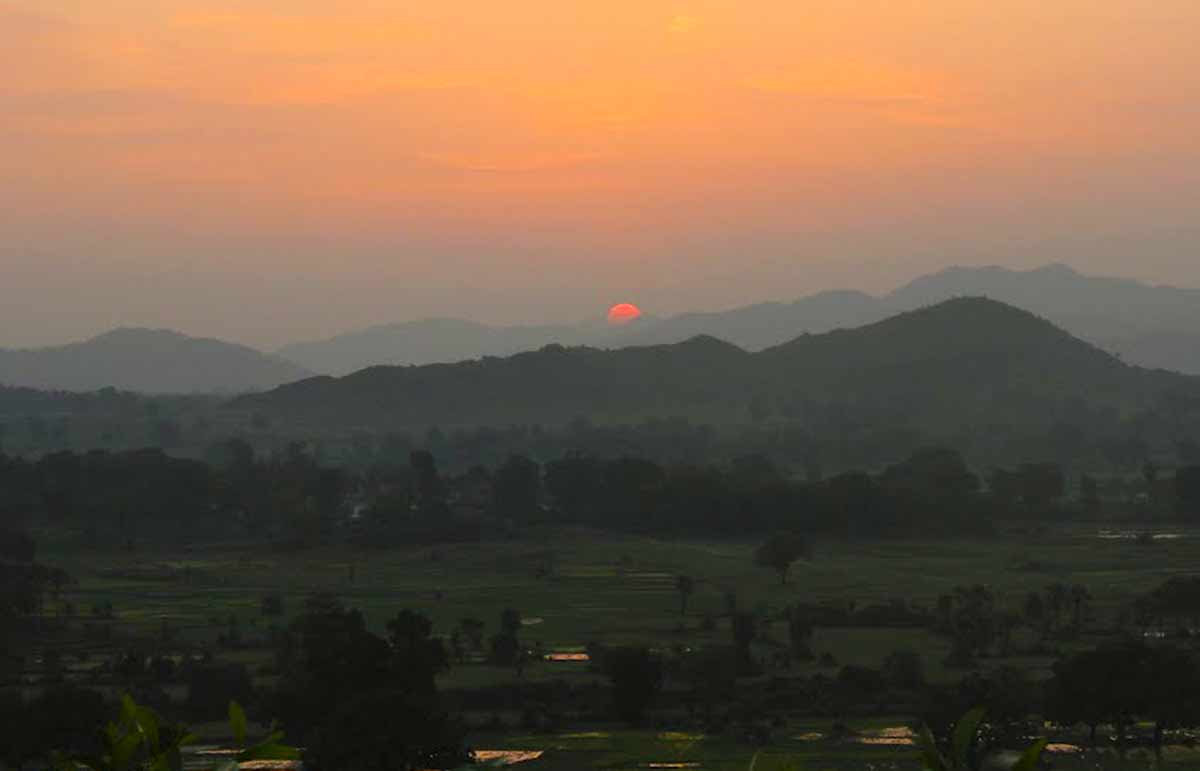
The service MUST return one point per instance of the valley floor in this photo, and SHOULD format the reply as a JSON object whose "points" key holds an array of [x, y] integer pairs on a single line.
{"points": [[575, 589]]}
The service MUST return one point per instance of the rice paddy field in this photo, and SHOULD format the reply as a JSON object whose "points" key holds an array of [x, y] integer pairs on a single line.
{"points": [[575, 587]]}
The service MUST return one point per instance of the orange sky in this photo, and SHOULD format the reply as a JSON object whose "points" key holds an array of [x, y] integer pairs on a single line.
{"points": [[267, 170]]}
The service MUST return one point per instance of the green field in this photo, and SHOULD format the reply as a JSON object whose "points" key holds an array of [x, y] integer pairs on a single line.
{"points": [[603, 587], [576, 587]]}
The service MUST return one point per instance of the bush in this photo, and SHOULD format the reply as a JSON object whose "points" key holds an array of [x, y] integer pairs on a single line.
{"points": [[272, 605], [904, 669], [211, 688], [383, 731]]}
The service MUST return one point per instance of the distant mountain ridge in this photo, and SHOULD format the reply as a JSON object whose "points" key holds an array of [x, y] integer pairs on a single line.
{"points": [[963, 361], [151, 361], [1151, 326], [443, 341], [425, 341]]}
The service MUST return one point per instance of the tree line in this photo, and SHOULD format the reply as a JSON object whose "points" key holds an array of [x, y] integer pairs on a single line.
{"points": [[291, 499]]}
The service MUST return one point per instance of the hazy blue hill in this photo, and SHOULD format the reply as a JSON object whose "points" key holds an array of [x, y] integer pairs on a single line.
{"points": [[759, 326], [1113, 304], [438, 340], [958, 361], [1147, 325], [427, 341], [147, 361]]}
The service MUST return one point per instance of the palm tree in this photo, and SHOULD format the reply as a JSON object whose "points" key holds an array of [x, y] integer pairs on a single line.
{"points": [[685, 585], [1080, 597], [1007, 621], [1056, 601]]}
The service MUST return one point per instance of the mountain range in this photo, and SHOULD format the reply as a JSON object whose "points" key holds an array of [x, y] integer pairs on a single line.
{"points": [[1151, 326], [966, 361], [148, 361]]}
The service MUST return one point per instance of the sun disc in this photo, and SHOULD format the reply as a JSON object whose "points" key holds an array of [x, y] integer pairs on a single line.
{"points": [[623, 313]]}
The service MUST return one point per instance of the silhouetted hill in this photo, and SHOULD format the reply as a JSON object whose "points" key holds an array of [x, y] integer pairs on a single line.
{"points": [[439, 341], [962, 361], [1147, 325], [147, 361], [551, 385], [1152, 326]]}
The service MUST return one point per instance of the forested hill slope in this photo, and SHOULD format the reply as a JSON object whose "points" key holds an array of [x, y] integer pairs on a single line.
{"points": [[957, 361], [551, 385]]}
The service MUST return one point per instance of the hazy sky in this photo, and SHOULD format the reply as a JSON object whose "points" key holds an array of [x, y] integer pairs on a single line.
{"points": [[271, 170]]}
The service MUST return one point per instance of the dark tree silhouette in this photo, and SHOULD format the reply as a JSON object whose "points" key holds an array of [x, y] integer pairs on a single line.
{"points": [[1187, 491], [904, 669], [386, 730], [64, 718], [800, 632], [1040, 484], [636, 677], [779, 552], [1034, 610], [428, 481], [419, 658], [510, 621], [517, 488], [1172, 691], [505, 644], [685, 586], [1105, 685], [327, 656], [1177, 599], [473, 629], [744, 627]]}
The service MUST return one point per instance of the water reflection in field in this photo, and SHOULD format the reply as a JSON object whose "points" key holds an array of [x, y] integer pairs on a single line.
{"points": [[1139, 535], [505, 757], [568, 657], [895, 736]]}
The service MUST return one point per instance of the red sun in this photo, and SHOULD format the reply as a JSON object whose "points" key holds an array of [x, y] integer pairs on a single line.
{"points": [[623, 313]]}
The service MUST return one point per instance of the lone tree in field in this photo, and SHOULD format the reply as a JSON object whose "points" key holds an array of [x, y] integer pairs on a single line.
{"points": [[473, 629], [506, 646], [1081, 600], [800, 632], [780, 551], [419, 656], [685, 585], [744, 627]]}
